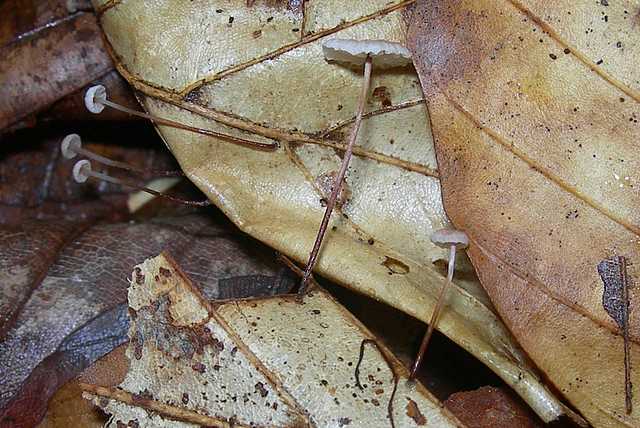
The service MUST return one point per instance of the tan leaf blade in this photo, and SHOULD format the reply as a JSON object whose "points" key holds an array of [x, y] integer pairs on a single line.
{"points": [[258, 72], [260, 362], [534, 107]]}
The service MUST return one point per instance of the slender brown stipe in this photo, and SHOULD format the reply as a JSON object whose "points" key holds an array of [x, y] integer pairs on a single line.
{"points": [[454, 240], [82, 171], [72, 146], [337, 185]]}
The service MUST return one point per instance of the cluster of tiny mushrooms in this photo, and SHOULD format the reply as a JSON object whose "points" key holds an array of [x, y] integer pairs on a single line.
{"points": [[352, 53]]}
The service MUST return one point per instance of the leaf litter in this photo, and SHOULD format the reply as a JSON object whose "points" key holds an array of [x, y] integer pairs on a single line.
{"points": [[275, 361], [263, 92]]}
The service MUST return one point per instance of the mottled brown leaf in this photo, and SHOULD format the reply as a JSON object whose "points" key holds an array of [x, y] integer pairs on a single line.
{"points": [[534, 111], [47, 53], [261, 362], [67, 302], [490, 407]]}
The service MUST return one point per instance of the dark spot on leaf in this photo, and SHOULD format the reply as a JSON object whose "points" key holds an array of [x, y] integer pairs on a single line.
{"points": [[414, 412], [344, 421], [382, 95], [199, 367], [259, 387], [395, 266]]}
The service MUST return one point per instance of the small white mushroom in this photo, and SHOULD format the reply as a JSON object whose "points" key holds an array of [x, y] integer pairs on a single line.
{"points": [[383, 54], [95, 100], [71, 147], [82, 171], [453, 240], [353, 52]]}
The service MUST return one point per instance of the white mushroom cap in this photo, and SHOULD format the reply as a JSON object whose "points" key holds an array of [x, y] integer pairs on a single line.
{"points": [[81, 171], [448, 237], [70, 145], [93, 96], [384, 54]]}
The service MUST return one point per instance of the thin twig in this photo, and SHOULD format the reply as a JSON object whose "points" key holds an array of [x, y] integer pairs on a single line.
{"points": [[393, 372], [177, 413], [628, 393], [337, 185]]}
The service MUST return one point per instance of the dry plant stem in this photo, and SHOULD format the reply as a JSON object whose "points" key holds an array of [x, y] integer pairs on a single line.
{"points": [[108, 178], [174, 124], [177, 413], [436, 313], [121, 165], [337, 185], [627, 340]]}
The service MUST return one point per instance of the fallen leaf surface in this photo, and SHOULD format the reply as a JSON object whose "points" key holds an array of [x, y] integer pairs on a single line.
{"points": [[51, 50], [259, 362], [64, 286], [490, 407], [534, 112], [253, 71]]}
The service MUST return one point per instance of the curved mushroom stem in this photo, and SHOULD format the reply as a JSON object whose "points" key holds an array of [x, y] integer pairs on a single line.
{"points": [[71, 146], [82, 170], [436, 313], [125, 166], [102, 100], [337, 185]]}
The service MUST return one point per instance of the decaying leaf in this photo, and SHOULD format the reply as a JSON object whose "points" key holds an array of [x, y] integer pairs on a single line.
{"points": [[259, 362], [64, 286], [534, 108], [258, 71], [57, 54], [490, 407]]}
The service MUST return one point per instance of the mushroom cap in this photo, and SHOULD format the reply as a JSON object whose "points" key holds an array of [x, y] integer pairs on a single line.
{"points": [[448, 237], [92, 97], [384, 54], [81, 171], [70, 145]]}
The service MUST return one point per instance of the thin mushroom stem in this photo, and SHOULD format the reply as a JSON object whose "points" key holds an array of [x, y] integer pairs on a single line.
{"points": [[82, 171], [125, 166], [337, 185], [105, 177], [436, 313], [98, 97], [71, 146]]}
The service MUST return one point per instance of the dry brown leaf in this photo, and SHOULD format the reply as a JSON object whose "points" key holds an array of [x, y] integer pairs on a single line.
{"points": [[259, 362], [64, 284], [50, 49], [490, 407], [68, 409], [259, 72], [534, 108]]}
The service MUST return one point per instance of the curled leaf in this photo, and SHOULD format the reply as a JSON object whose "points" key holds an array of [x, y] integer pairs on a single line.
{"points": [[535, 121]]}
